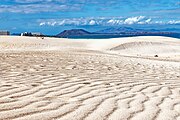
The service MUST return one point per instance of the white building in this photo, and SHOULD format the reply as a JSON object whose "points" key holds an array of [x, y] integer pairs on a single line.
{"points": [[37, 34], [31, 34]]}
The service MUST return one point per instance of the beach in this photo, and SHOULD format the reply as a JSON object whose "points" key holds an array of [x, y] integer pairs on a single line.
{"points": [[135, 78]]}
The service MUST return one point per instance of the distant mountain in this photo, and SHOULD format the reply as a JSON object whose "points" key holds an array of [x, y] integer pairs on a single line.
{"points": [[124, 30], [116, 32], [73, 32], [171, 30]]}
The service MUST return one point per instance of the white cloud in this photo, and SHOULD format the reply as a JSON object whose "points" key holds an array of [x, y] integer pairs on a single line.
{"points": [[103, 21], [37, 8], [27, 1], [133, 20], [60, 1], [174, 22], [159, 22], [92, 22], [42, 23], [73, 21], [115, 22], [148, 21]]}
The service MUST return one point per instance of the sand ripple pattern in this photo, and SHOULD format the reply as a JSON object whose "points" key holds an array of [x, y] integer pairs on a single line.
{"points": [[86, 86]]}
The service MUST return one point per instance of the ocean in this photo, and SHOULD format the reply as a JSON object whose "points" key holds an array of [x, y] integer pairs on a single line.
{"points": [[108, 36]]}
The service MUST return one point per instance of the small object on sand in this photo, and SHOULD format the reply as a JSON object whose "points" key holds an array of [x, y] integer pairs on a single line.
{"points": [[155, 55], [107, 84], [86, 83], [109, 68]]}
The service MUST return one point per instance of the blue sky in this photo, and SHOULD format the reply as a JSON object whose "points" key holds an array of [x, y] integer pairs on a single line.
{"points": [[53, 16]]}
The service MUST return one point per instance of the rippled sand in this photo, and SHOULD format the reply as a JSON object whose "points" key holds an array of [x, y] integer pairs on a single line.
{"points": [[89, 80]]}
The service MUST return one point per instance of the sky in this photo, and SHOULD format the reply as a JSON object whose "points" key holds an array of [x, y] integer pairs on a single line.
{"points": [[53, 16]]}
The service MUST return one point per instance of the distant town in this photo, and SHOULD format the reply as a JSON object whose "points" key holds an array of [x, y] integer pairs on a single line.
{"points": [[4, 32]]}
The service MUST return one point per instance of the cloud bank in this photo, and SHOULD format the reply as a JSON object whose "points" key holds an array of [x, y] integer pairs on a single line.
{"points": [[37, 8], [103, 21]]}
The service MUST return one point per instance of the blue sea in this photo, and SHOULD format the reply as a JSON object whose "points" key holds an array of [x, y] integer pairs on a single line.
{"points": [[108, 36]]}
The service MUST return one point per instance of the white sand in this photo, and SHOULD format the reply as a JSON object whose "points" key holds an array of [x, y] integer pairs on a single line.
{"points": [[113, 79]]}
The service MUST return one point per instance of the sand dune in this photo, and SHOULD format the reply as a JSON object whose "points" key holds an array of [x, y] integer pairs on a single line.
{"points": [[147, 46], [114, 79]]}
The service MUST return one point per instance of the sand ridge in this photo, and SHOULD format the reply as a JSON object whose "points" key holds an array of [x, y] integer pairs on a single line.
{"points": [[87, 83]]}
